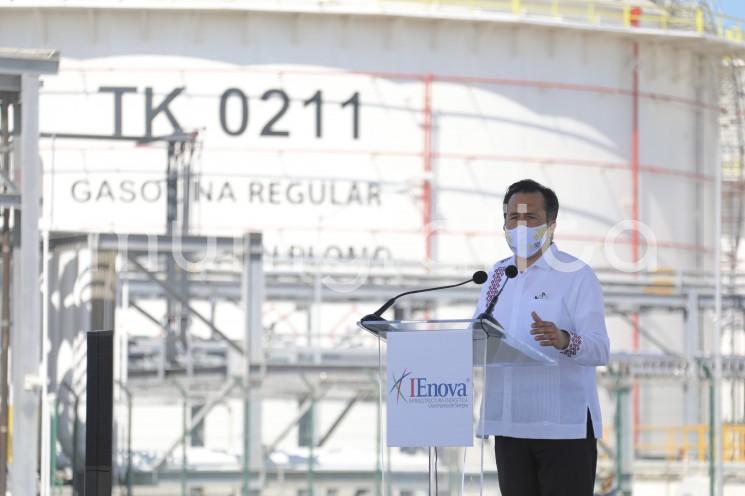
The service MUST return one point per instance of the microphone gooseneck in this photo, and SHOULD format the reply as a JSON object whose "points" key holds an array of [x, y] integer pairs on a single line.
{"points": [[479, 277]]}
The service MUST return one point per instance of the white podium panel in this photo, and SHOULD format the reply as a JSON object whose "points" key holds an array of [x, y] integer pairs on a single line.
{"points": [[430, 389]]}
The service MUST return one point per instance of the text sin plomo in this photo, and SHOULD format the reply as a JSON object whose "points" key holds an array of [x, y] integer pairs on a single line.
{"points": [[269, 192]]}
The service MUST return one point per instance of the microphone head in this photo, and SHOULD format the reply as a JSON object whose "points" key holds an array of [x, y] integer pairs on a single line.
{"points": [[480, 277], [510, 271]]}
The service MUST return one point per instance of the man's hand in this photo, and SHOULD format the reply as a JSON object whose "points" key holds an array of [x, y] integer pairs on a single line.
{"points": [[548, 334]]}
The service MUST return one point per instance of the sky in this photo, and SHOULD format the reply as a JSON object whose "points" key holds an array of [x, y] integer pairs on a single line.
{"points": [[734, 8]]}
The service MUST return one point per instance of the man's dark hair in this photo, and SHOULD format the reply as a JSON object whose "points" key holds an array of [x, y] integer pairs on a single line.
{"points": [[529, 186]]}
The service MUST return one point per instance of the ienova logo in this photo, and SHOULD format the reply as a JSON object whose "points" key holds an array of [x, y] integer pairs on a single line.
{"points": [[411, 389]]}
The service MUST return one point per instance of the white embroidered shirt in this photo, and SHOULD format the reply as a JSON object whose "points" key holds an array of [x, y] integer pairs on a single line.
{"points": [[547, 402]]}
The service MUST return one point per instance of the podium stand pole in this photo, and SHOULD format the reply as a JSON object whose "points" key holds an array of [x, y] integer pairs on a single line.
{"points": [[432, 472], [483, 438], [381, 432]]}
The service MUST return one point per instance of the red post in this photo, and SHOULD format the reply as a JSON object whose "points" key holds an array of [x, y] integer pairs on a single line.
{"points": [[635, 218]]}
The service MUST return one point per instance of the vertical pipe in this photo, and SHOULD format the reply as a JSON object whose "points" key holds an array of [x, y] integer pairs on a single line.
{"points": [[128, 396], [53, 443], [311, 443], [735, 210], [427, 156], [185, 437], [184, 441], [718, 476], [693, 317], [129, 444], [635, 165], [186, 150], [185, 154], [623, 432], [635, 217], [691, 385], [46, 447], [245, 462], [5, 318], [74, 462], [618, 428], [379, 475], [172, 307], [711, 442], [388, 480], [379, 450]]}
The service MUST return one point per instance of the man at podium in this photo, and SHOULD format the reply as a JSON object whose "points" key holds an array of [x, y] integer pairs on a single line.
{"points": [[545, 419]]}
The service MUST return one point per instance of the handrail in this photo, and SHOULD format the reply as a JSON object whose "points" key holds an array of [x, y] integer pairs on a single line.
{"points": [[695, 19], [690, 442]]}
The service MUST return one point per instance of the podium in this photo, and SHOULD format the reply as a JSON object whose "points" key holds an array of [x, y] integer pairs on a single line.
{"points": [[434, 410]]}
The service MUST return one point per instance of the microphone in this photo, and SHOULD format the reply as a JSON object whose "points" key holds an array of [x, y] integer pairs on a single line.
{"points": [[479, 277], [510, 271]]}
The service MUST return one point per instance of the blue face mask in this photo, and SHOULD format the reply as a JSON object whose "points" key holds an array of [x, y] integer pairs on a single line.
{"points": [[525, 241]]}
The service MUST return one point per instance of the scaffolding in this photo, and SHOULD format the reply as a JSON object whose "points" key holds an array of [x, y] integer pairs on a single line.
{"points": [[215, 370]]}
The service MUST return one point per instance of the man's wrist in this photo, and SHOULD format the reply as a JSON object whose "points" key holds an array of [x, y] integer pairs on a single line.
{"points": [[568, 340]]}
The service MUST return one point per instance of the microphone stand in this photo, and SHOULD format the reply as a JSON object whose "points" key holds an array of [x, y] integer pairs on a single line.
{"points": [[511, 272], [479, 277]]}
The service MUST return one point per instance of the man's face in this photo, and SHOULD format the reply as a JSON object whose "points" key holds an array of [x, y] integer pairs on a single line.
{"points": [[525, 209]]}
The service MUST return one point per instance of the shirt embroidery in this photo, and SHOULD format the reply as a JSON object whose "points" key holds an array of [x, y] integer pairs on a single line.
{"points": [[575, 341], [494, 284]]}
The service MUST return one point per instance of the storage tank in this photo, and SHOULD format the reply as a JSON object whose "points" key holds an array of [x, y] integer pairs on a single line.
{"points": [[373, 120]]}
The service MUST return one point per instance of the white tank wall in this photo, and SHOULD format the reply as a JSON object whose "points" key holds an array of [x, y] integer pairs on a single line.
{"points": [[575, 138]]}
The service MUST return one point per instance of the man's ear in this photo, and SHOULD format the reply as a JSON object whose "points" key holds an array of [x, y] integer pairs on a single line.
{"points": [[552, 229]]}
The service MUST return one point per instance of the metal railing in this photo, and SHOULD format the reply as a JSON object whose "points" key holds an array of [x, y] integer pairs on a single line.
{"points": [[601, 12], [686, 442], [691, 442]]}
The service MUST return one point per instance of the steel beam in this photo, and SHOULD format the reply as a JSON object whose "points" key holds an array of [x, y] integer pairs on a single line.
{"points": [[195, 420], [644, 332], [252, 301], [10, 83], [297, 286], [29, 63], [26, 335], [10, 200], [147, 315], [337, 421], [173, 293], [305, 406], [7, 181]]}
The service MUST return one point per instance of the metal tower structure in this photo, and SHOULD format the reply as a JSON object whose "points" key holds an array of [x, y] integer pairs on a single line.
{"points": [[20, 200]]}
